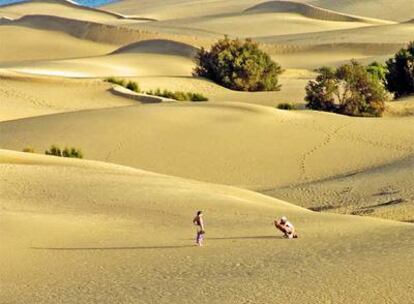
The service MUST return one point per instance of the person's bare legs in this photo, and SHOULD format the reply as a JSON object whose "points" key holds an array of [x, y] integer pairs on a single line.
{"points": [[283, 230]]}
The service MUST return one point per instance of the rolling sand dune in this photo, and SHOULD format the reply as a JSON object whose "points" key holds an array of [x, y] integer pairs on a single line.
{"points": [[385, 191], [118, 34], [398, 10], [26, 96], [159, 46], [120, 234], [120, 65], [304, 9], [237, 144], [61, 8], [116, 228], [33, 44], [253, 24], [179, 9]]}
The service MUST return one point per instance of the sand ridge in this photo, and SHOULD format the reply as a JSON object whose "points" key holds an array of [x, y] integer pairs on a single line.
{"points": [[116, 226]]}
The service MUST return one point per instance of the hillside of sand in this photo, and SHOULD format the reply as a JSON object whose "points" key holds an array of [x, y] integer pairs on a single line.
{"points": [[78, 235], [116, 226]]}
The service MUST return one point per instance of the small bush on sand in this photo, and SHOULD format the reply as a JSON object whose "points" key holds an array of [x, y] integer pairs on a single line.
{"points": [[349, 89], [67, 152], [28, 150], [400, 74], [133, 86], [286, 106], [117, 81], [178, 95], [238, 65]]}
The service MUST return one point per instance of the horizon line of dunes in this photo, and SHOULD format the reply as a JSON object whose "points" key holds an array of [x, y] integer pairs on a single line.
{"points": [[304, 9]]}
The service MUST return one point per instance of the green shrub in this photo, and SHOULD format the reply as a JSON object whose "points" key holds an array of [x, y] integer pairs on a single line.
{"points": [[177, 95], [349, 89], [133, 86], [117, 81], [67, 152], [238, 65], [286, 106], [400, 74], [197, 97], [378, 71], [28, 150]]}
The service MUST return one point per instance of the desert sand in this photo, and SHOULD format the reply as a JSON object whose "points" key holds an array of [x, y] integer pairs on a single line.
{"points": [[115, 227]]}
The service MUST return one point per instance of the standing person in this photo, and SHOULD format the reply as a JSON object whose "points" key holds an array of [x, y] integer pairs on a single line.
{"points": [[286, 227], [198, 221]]}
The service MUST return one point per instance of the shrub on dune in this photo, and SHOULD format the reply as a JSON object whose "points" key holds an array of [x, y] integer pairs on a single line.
{"points": [[117, 81], [238, 65], [286, 106], [349, 89], [133, 86], [67, 152], [400, 74], [178, 95], [28, 150]]}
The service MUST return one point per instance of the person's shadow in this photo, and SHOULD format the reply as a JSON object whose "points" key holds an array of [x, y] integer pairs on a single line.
{"points": [[112, 248]]}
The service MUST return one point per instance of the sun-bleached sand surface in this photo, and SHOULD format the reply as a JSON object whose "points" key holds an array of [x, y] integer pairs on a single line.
{"points": [[116, 227]]}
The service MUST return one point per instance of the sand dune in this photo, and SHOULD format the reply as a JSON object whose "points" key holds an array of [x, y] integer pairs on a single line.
{"points": [[116, 227], [120, 65], [304, 9], [398, 10], [33, 44], [110, 33], [159, 46], [384, 191], [61, 8], [237, 144], [23, 96], [130, 240]]}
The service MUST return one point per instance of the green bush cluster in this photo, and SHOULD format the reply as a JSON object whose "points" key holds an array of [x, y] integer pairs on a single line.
{"points": [[399, 78], [130, 85], [355, 90], [286, 106], [350, 89], [238, 65], [66, 152], [177, 95]]}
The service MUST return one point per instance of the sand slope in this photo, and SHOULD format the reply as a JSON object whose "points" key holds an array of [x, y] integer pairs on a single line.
{"points": [[124, 235], [61, 8], [229, 143], [33, 44], [23, 96], [399, 10]]}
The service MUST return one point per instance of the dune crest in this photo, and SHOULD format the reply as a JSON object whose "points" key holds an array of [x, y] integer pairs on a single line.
{"points": [[306, 10], [159, 46]]}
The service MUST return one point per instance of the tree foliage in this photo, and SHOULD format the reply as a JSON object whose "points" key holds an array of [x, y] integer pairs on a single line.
{"points": [[238, 65], [349, 89], [400, 75]]}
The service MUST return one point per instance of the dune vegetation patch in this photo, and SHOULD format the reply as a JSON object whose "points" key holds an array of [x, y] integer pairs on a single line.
{"points": [[286, 106], [399, 78], [357, 90], [177, 95], [350, 89], [66, 152], [238, 65]]}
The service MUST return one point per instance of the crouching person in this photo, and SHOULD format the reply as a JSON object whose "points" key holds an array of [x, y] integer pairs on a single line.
{"points": [[286, 227]]}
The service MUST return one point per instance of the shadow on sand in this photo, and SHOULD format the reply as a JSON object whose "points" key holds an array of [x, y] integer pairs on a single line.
{"points": [[265, 237], [111, 248]]}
